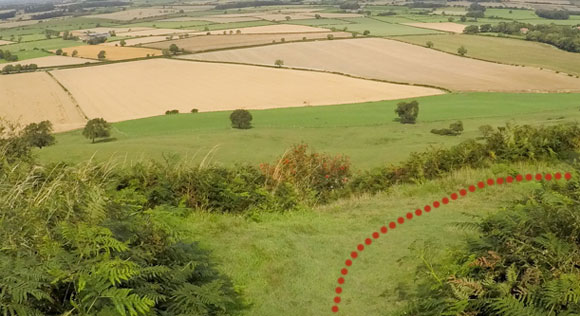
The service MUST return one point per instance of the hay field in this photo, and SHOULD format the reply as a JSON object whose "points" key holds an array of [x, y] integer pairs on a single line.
{"points": [[212, 42], [112, 52], [53, 61], [134, 14], [400, 62], [34, 97], [131, 90], [138, 41], [272, 29], [445, 26]]}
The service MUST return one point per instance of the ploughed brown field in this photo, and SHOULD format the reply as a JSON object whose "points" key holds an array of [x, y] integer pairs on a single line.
{"points": [[34, 97], [212, 42], [400, 62], [124, 91]]}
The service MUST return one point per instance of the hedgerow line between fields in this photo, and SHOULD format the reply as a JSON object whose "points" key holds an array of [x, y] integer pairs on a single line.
{"points": [[427, 208]]}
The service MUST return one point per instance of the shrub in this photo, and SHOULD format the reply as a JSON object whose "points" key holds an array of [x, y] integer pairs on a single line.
{"points": [[366, 32], [330, 36], [453, 130], [241, 119], [279, 63], [39, 134], [194, 110], [471, 29], [316, 177], [102, 55], [58, 52], [407, 112], [170, 112], [429, 44], [462, 51]]}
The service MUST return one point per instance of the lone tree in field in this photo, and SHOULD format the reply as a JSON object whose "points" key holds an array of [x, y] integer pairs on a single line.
{"points": [[462, 51], [174, 49], [429, 44], [39, 134], [408, 112], [58, 52], [123, 43], [279, 63], [102, 54], [97, 128], [241, 119]]}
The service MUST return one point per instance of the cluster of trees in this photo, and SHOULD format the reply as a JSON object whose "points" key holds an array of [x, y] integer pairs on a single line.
{"points": [[454, 129], [7, 55], [249, 4], [18, 68], [48, 15], [475, 10], [562, 36], [553, 14], [349, 5], [7, 14], [39, 7]]}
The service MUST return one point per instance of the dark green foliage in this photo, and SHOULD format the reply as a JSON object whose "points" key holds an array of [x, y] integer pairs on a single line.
{"points": [[471, 29], [174, 49], [525, 262], [194, 110], [241, 119], [553, 14], [73, 242], [97, 128], [19, 68], [505, 144], [102, 55], [407, 111], [39, 134], [453, 130], [169, 112], [349, 6], [462, 51]]}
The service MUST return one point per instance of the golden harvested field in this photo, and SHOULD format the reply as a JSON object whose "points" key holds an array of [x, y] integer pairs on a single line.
{"points": [[133, 14], [131, 90], [211, 42], [112, 52], [34, 97], [138, 41], [154, 32], [53, 61], [272, 29], [400, 62], [443, 26]]}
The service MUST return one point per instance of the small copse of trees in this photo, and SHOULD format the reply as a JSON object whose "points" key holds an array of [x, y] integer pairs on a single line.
{"points": [[454, 129], [407, 112]]}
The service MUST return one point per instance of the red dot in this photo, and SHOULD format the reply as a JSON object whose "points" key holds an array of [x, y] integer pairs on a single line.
{"points": [[392, 225], [436, 204], [489, 181], [427, 208], [568, 176], [409, 215], [337, 299], [454, 196], [348, 262], [558, 176], [341, 280], [384, 230], [400, 220], [445, 200], [463, 192], [344, 271], [539, 176], [471, 188], [368, 241], [338, 290], [528, 177], [499, 180], [510, 179], [376, 235], [548, 177], [480, 185], [335, 309], [418, 212], [360, 247], [519, 177], [354, 254]]}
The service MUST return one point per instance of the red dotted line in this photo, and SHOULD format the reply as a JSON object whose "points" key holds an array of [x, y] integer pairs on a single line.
{"points": [[427, 208]]}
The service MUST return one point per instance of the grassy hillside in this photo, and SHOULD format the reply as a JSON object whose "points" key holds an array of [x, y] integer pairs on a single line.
{"points": [[502, 50], [288, 264], [366, 132]]}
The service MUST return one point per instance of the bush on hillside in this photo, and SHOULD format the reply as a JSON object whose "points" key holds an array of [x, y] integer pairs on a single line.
{"points": [[453, 130], [97, 128], [39, 134], [194, 110], [170, 112], [407, 112], [523, 262], [241, 119]]}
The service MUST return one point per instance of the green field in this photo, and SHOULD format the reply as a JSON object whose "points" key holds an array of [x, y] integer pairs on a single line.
{"points": [[28, 50], [379, 28], [502, 50], [288, 264], [366, 132]]}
